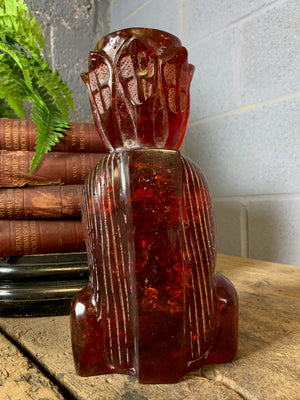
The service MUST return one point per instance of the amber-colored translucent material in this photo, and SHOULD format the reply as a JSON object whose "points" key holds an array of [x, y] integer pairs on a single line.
{"points": [[154, 306], [138, 82]]}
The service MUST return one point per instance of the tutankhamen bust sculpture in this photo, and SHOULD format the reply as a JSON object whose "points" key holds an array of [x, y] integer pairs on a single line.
{"points": [[154, 306]]}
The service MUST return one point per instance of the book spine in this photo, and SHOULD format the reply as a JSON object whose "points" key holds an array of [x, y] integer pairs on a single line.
{"points": [[21, 237], [41, 202], [17, 134], [55, 168]]}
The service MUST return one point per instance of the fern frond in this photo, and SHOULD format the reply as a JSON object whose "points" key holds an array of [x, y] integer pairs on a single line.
{"points": [[5, 110], [10, 89], [25, 75], [19, 58], [50, 124], [50, 127], [53, 83]]}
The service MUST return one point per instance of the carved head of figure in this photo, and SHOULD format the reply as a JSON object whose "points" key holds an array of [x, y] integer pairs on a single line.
{"points": [[138, 84]]}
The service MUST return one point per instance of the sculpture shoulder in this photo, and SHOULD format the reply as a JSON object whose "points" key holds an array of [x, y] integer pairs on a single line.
{"points": [[191, 169]]}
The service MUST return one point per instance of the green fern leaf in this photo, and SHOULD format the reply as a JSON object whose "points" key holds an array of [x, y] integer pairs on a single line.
{"points": [[5, 110], [10, 89], [50, 130], [26, 76]]}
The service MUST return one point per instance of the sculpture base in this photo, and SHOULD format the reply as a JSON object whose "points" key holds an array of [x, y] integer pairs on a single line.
{"points": [[157, 363]]}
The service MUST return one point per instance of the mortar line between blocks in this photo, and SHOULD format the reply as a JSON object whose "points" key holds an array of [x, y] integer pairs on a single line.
{"points": [[52, 48], [245, 108], [136, 10], [95, 14], [240, 21], [257, 197]]}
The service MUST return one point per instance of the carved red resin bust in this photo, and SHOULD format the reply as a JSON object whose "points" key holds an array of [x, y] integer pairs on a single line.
{"points": [[154, 306]]}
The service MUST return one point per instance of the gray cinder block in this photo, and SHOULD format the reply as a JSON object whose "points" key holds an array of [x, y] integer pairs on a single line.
{"points": [[202, 18], [71, 29], [270, 47], [213, 88], [149, 14], [274, 229], [251, 152], [231, 227]]}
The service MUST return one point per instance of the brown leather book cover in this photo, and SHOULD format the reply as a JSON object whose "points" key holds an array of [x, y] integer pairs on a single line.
{"points": [[41, 202], [20, 237], [18, 134], [55, 168]]}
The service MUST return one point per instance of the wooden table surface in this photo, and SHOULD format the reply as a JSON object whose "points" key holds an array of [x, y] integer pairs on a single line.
{"points": [[36, 360]]}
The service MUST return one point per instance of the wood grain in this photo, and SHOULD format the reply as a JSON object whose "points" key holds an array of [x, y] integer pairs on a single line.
{"points": [[266, 367], [20, 379]]}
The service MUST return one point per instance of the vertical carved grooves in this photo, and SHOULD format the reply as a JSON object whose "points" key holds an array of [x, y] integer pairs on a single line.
{"points": [[211, 225], [87, 221], [108, 215], [199, 253], [159, 111]]}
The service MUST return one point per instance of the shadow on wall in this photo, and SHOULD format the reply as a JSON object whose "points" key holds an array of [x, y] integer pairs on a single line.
{"points": [[228, 216], [264, 228], [274, 229]]}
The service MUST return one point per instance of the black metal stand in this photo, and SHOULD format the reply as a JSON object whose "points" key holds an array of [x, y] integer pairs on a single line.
{"points": [[41, 285]]}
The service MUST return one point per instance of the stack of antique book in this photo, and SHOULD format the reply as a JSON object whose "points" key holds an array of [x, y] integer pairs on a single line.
{"points": [[41, 236], [40, 212]]}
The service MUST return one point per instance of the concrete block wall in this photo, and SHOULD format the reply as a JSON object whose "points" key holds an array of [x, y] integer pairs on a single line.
{"points": [[71, 29], [245, 102], [244, 129]]}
